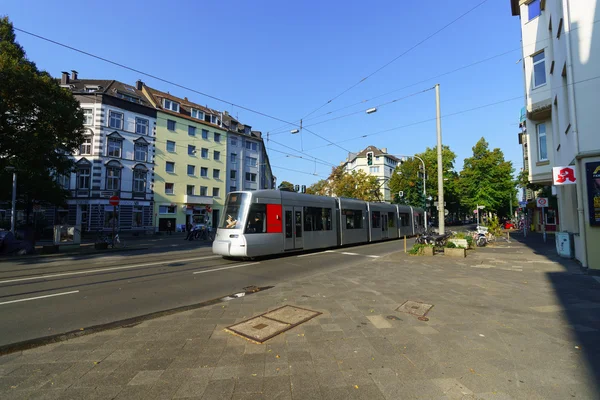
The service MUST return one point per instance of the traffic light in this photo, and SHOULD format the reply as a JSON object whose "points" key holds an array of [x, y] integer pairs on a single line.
{"points": [[369, 158]]}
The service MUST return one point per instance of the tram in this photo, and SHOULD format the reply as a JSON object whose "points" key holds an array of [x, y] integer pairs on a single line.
{"points": [[265, 222]]}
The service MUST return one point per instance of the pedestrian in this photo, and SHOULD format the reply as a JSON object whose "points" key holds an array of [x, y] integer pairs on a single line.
{"points": [[191, 232], [169, 228]]}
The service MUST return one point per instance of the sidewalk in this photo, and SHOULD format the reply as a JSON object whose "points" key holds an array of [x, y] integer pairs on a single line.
{"points": [[506, 323]]}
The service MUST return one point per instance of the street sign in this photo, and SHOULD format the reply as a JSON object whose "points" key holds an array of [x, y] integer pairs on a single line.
{"points": [[542, 202], [475, 211], [114, 200], [523, 204], [446, 212]]}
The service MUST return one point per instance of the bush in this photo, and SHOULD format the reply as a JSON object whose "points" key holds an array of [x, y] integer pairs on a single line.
{"points": [[494, 226], [469, 240], [451, 245], [417, 249]]}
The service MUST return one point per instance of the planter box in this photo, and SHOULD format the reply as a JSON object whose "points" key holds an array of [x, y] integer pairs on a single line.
{"points": [[101, 246], [455, 252], [460, 242], [426, 251]]}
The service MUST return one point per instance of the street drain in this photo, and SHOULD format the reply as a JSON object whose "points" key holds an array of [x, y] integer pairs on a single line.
{"points": [[261, 328], [415, 308]]}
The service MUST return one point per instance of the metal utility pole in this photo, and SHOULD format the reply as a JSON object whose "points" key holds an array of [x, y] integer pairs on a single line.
{"points": [[439, 160], [13, 212]]}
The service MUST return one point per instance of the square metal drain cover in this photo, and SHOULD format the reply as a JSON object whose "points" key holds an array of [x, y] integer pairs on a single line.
{"points": [[415, 308], [272, 323]]}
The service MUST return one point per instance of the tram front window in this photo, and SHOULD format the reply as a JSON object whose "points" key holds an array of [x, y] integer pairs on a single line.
{"points": [[233, 217]]}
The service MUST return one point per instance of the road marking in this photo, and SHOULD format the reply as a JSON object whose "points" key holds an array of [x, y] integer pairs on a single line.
{"points": [[349, 254], [39, 297], [354, 254], [315, 254], [93, 271], [221, 269]]}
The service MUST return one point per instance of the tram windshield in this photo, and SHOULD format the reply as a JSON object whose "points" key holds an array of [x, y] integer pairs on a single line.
{"points": [[234, 214]]}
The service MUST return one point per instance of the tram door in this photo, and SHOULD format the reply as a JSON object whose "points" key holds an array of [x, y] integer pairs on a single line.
{"points": [[293, 228], [384, 226]]}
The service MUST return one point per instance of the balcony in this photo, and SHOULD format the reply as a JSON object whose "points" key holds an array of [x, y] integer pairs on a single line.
{"points": [[194, 199]]}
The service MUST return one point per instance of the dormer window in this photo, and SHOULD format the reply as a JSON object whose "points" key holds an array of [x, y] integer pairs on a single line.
{"points": [[170, 105], [197, 114], [92, 89], [128, 97]]}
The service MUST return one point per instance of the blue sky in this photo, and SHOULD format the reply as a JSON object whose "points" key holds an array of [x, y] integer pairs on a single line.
{"points": [[287, 58]]}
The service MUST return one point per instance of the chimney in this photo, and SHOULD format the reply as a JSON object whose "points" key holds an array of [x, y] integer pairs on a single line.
{"points": [[384, 150], [139, 85], [73, 75], [64, 80], [226, 113]]}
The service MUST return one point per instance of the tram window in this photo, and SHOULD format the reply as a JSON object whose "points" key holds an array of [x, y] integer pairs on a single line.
{"points": [[234, 213], [376, 216], [257, 219], [288, 224], [317, 219], [404, 219], [354, 219], [391, 220]]}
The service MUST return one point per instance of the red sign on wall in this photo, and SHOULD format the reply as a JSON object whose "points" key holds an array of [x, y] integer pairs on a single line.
{"points": [[564, 176]]}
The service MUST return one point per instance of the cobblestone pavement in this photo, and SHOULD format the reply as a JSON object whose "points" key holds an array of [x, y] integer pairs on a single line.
{"points": [[507, 322]]}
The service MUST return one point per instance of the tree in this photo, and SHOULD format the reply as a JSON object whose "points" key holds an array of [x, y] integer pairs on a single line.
{"points": [[357, 185], [406, 179], [319, 188], [287, 185], [486, 179], [40, 124]]}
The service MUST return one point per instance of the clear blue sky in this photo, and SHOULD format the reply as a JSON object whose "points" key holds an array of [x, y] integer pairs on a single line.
{"points": [[287, 58]]}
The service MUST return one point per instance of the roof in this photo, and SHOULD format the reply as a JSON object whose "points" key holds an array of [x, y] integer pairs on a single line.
{"points": [[372, 149], [110, 88], [514, 7], [185, 106], [229, 122]]}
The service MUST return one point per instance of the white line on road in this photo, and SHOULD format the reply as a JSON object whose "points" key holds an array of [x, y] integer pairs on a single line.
{"points": [[351, 254], [93, 271], [221, 269], [314, 254], [39, 297]]}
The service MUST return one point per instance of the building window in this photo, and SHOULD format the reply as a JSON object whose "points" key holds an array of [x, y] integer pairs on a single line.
{"points": [[191, 170], [171, 125], [534, 10], [373, 170], [191, 130], [115, 120], [216, 173], [166, 210], [215, 120], [232, 188], [250, 177], [189, 190], [139, 179], [169, 188], [114, 147], [234, 142], [204, 134], [170, 146], [204, 153], [113, 177], [191, 150], [141, 152], [252, 146], [137, 221], [542, 147], [203, 190], [197, 114], [64, 181], [170, 166], [215, 192], [217, 155], [86, 146], [171, 105], [233, 174], [83, 178], [88, 116], [141, 126], [251, 161], [539, 70], [233, 158], [203, 172], [217, 137]]}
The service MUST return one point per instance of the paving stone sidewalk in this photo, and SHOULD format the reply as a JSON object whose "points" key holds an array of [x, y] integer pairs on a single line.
{"points": [[506, 323]]}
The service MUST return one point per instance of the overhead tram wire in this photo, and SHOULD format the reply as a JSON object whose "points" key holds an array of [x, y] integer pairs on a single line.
{"points": [[457, 113], [297, 151], [397, 58], [153, 76], [295, 170]]}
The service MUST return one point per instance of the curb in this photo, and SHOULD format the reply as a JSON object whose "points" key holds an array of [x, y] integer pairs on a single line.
{"points": [[70, 254], [124, 323]]}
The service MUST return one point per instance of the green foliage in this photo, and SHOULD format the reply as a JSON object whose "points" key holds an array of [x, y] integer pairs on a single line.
{"points": [[287, 185], [417, 249], [40, 125], [494, 226], [451, 245], [486, 179], [469, 240], [319, 188]]}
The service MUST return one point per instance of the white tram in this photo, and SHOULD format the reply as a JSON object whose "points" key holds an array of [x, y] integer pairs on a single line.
{"points": [[264, 222]]}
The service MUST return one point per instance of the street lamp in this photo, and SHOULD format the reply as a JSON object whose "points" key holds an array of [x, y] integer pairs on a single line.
{"points": [[371, 110], [13, 212]]}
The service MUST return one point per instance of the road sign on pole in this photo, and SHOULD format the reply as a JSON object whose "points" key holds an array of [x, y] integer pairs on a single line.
{"points": [[114, 200], [542, 202]]}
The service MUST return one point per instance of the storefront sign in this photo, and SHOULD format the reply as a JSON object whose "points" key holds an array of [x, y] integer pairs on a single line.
{"points": [[564, 176], [592, 172]]}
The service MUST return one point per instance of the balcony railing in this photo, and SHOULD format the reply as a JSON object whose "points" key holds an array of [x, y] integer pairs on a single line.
{"points": [[195, 199]]}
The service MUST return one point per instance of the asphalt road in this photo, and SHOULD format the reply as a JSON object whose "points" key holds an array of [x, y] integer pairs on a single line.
{"points": [[50, 296]]}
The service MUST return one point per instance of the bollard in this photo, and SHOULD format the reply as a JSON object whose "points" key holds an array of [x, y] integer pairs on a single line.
{"points": [[508, 236], [405, 243]]}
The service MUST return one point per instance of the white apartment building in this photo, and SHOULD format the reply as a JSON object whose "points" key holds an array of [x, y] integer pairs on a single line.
{"points": [[382, 167], [561, 64]]}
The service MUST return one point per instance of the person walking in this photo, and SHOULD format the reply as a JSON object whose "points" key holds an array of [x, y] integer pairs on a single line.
{"points": [[169, 228]]}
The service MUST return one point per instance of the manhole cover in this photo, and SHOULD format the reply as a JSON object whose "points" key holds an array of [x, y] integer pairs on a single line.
{"points": [[264, 327], [415, 308]]}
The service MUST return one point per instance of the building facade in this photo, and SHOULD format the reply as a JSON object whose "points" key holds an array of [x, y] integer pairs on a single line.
{"points": [[382, 167], [561, 57], [248, 166], [190, 162], [115, 159]]}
